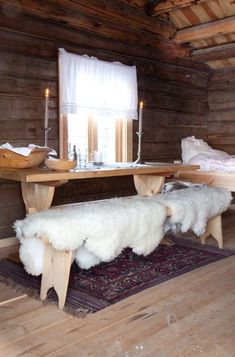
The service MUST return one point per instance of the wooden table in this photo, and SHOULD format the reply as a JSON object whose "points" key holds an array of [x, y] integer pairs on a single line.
{"points": [[38, 184]]}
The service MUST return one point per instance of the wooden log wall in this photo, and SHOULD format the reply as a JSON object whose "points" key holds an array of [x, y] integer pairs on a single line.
{"points": [[221, 116], [173, 90], [175, 100]]}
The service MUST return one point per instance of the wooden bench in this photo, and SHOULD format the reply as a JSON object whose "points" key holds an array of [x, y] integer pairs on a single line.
{"points": [[57, 263]]}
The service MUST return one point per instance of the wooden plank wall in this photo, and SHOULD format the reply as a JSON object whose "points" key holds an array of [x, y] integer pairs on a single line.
{"points": [[173, 90], [221, 116], [175, 100]]}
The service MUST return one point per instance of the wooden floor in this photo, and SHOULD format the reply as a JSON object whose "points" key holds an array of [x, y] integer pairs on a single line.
{"points": [[191, 315]]}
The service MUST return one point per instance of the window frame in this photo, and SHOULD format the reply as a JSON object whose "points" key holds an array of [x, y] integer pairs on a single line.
{"points": [[123, 136]]}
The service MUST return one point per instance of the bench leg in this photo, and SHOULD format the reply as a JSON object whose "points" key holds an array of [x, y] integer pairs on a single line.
{"points": [[214, 227], [56, 270]]}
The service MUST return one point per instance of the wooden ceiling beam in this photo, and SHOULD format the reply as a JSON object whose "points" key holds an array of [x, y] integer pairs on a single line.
{"points": [[149, 6], [206, 30], [123, 14], [163, 6], [106, 10], [84, 15], [210, 53]]}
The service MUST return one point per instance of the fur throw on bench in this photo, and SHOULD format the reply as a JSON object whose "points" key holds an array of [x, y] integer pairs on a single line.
{"points": [[99, 231], [103, 229], [192, 207]]}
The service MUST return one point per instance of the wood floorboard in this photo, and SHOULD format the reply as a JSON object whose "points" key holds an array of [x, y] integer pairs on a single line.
{"points": [[190, 336], [191, 315], [14, 308], [7, 294], [8, 251], [29, 322], [116, 317], [154, 336], [151, 321]]}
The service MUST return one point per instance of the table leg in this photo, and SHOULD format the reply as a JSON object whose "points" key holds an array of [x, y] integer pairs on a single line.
{"points": [[37, 197], [148, 185]]}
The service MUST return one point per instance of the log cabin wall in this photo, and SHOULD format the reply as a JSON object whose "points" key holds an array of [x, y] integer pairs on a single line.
{"points": [[174, 92], [221, 115]]}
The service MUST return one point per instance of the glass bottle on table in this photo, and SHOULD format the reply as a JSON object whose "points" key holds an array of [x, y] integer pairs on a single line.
{"points": [[70, 152], [79, 157], [74, 155], [83, 158]]}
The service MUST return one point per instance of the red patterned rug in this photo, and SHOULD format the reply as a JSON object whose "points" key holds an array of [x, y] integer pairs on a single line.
{"points": [[94, 289]]}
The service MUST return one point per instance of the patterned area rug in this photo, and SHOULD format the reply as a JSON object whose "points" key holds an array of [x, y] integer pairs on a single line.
{"points": [[94, 289]]}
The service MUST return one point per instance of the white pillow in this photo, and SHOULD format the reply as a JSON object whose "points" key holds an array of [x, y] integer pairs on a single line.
{"points": [[197, 151]]}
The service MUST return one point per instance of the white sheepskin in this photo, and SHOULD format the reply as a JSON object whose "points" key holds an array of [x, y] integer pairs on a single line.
{"points": [[85, 259], [99, 231], [193, 207], [31, 254], [103, 228]]}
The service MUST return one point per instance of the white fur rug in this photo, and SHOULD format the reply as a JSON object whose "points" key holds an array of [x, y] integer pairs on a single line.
{"points": [[100, 231]]}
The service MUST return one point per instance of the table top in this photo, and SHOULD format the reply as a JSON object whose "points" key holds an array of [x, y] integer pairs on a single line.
{"points": [[45, 175]]}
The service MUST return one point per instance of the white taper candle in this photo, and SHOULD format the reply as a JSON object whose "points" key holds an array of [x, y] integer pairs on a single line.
{"points": [[141, 117], [46, 108]]}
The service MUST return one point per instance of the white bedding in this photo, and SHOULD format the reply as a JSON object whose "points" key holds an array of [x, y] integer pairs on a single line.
{"points": [[197, 151]]}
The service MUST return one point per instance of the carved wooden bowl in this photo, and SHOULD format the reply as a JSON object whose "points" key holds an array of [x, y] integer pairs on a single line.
{"points": [[12, 160]]}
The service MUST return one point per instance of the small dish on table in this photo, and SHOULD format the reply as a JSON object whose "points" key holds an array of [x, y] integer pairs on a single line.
{"points": [[95, 163], [60, 164]]}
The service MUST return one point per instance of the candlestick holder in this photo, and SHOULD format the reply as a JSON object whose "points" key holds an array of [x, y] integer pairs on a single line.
{"points": [[139, 160], [46, 130]]}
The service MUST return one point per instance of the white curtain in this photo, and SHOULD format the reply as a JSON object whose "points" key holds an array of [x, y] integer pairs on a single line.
{"points": [[93, 87]]}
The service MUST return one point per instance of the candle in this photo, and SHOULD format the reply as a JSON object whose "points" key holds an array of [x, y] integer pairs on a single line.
{"points": [[46, 108], [140, 116]]}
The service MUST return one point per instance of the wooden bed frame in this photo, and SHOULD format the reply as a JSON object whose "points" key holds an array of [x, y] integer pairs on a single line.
{"points": [[212, 178]]}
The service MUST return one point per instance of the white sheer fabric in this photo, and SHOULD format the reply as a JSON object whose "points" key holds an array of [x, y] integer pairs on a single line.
{"points": [[93, 87]]}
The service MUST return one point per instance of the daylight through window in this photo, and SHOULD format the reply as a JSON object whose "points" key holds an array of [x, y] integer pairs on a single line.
{"points": [[98, 101]]}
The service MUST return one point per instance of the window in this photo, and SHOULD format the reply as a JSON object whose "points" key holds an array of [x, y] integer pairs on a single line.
{"points": [[98, 101]]}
